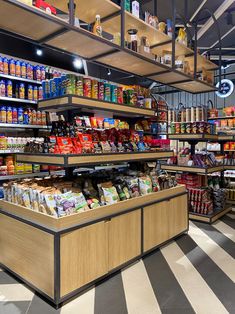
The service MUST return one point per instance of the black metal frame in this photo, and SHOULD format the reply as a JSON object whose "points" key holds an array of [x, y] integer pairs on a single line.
{"points": [[57, 301]]}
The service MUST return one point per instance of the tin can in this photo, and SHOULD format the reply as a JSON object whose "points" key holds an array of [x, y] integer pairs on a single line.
{"points": [[22, 91], [2, 88], [35, 93], [14, 115], [9, 114], [18, 69], [79, 86], [94, 89], [193, 114], [30, 92], [208, 128], [188, 115], [12, 66], [188, 128], [40, 93], [5, 66], [23, 70], [43, 73], [183, 128], [113, 93], [20, 115], [87, 87], [201, 127], [101, 91], [107, 92], [177, 128], [194, 128], [173, 128], [9, 88], [1, 65], [120, 95]]}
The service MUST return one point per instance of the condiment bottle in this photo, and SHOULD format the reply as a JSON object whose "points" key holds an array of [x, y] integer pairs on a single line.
{"points": [[97, 29]]}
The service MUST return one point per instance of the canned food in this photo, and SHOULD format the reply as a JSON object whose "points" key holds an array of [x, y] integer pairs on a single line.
{"points": [[113, 93], [120, 95], [94, 89], [107, 92], [201, 127], [177, 128], [79, 86], [183, 128], [173, 128], [101, 91], [188, 128], [87, 87], [194, 128]]}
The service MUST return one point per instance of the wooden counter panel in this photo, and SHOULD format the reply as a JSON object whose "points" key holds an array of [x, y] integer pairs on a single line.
{"points": [[28, 252], [124, 238], [84, 256], [156, 229], [178, 215]]}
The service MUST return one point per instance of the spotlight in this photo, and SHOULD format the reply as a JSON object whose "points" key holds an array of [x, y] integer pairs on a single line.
{"points": [[39, 52], [77, 63], [109, 72]]}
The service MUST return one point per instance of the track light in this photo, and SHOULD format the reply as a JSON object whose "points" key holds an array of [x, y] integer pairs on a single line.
{"points": [[77, 63], [109, 72], [39, 52]]}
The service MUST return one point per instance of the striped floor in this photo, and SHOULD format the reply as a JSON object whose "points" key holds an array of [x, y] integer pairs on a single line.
{"points": [[194, 274]]}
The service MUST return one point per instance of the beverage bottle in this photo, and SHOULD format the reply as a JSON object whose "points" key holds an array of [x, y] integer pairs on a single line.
{"points": [[97, 29]]}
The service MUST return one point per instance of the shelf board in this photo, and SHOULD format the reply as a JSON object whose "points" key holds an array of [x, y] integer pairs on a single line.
{"points": [[23, 126], [21, 79], [195, 86], [226, 138], [90, 159], [192, 169], [9, 152], [212, 217], [202, 62], [230, 202], [228, 167], [133, 62], [193, 137], [221, 118], [73, 102], [23, 101], [38, 25], [23, 176], [87, 14]]}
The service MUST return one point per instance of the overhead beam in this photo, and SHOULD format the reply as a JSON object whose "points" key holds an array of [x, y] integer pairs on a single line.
{"points": [[224, 6]]}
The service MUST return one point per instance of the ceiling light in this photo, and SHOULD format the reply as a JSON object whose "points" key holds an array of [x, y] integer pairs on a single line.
{"points": [[109, 72], [39, 52], [77, 63]]}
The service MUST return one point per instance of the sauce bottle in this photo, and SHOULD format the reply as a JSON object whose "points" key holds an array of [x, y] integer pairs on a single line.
{"points": [[97, 29]]}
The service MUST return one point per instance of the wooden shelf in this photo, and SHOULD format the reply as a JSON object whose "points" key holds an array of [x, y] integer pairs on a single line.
{"points": [[58, 224], [55, 32], [221, 118], [226, 138], [230, 202], [193, 137], [210, 218], [90, 159], [102, 7], [228, 167], [71, 102], [192, 169]]}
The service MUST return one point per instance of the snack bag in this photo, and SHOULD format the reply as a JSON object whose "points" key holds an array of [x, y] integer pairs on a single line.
{"points": [[133, 186], [145, 185]]}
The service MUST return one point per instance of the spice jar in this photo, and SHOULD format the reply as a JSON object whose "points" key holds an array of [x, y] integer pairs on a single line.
{"points": [[133, 44]]}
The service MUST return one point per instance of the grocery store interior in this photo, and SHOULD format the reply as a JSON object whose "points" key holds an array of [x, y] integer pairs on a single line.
{"points": [[117, 156]]}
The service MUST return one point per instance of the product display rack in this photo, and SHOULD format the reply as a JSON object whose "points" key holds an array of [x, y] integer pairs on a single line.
{"points": [[17, 78], [54, 32], [18, 100], [72, 102], [23, 176], [193, 140], [73, 160], [22, 126]]}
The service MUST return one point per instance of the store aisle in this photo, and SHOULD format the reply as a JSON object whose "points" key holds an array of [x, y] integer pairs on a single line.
{"points": [[194, 274]]}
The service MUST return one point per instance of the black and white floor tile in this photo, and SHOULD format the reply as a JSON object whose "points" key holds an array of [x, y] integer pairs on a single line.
{"points": [[194, 274]]}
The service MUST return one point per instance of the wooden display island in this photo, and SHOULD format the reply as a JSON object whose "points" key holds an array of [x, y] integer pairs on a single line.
{"points": [[59, 257]]}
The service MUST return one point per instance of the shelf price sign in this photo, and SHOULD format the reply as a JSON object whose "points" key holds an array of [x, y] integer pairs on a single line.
{"points": [[226, 88]]}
